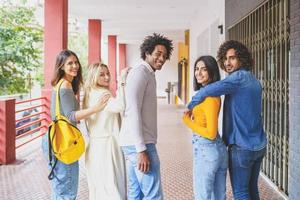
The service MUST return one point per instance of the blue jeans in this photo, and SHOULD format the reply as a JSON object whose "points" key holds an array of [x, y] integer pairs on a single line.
{"points": [[65, 181], [210, 167], [244, 167], [143, 185]]}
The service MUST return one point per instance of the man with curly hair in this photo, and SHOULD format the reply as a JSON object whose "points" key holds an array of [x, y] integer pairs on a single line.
{"points": [[242, 122], [138, 135]]}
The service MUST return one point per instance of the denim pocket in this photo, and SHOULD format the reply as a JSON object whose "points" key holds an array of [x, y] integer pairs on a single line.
{"points": [[131, 158], [195, 150], [244, 157], [194, 139], [209, 152]]}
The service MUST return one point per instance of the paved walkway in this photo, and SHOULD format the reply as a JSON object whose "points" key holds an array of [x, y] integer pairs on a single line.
{"points": [[27, 177]]}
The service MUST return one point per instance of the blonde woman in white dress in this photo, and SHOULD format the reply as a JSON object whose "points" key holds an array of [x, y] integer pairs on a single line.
{"points": [[104, 159]]}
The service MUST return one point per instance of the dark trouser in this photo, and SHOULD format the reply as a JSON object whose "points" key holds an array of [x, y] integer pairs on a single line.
{"points": [[244, 167]]}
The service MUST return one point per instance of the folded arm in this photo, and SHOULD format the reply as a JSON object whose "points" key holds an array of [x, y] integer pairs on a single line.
{"points": [[211, 113]]}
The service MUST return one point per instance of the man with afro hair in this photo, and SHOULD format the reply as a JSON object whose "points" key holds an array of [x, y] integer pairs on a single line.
{"points": [[138, 136], [242, 122]]}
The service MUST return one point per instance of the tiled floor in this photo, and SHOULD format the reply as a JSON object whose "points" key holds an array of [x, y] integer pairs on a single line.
{"points": [[27, 177]]}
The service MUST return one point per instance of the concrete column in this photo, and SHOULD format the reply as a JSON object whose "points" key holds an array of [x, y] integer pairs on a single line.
{"points": [[94, 54], [7, 131], [55, 40], [112, 61], [122, 56], [55, 34]]}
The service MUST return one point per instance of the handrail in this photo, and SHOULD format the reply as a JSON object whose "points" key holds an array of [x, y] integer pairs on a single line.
{"points": [[29, 116], [40, 135], [28, 122], [30, 132], [29, 108], [30, 100]]}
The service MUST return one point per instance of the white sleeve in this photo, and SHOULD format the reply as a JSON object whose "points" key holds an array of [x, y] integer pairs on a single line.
{"points": [[116, 104], [135, 88]]}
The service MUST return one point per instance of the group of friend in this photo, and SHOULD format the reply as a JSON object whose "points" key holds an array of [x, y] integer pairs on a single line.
{"points": [[121, 158]]}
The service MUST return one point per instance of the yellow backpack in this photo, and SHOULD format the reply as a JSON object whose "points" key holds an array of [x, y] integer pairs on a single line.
{"points": [[65, 140]]}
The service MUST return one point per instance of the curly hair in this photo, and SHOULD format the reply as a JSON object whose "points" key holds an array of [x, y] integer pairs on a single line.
{"points": [[243, 54], [151, 41]]}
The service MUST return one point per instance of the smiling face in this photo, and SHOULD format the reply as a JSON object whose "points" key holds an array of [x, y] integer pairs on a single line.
{"points": [[70, 68], [103, 77], [157, 58], [201, 73], [231, 62]]}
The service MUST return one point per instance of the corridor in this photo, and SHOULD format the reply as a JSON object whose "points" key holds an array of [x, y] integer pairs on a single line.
{"points": [[26, 179]]}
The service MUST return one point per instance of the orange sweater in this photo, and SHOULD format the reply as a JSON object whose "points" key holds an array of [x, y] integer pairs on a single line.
{"points": [[205, 122]]}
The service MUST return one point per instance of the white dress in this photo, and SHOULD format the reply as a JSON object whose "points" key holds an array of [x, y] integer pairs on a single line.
{"points": [[104, 159]]}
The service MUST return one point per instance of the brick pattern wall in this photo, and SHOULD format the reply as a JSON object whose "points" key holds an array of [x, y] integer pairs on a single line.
{"points": [[294, 102]]}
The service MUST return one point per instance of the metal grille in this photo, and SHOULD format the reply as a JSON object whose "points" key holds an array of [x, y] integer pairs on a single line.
{"points": [[266, 32]]}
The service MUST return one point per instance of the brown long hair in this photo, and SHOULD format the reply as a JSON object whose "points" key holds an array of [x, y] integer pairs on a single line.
{"points": [[59, 73]]}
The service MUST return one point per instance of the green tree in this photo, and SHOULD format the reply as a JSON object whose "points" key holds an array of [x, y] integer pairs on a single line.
{"points": [[77, 42], [20, 47]]}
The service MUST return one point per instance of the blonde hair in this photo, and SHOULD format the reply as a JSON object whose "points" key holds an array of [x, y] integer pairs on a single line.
{"points": [[91, 81]]}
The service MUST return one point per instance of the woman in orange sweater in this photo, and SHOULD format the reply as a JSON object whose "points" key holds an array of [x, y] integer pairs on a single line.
{"points": [[210, 158]]}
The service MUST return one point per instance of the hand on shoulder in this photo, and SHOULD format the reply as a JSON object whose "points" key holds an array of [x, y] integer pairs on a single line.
{"points": [[102, 101]]}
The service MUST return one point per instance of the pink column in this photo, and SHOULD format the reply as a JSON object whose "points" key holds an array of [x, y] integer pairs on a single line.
{"points": [[94, 54], [55, 40], [122, 56], [56, 34], [112, 60], [7, 131]]}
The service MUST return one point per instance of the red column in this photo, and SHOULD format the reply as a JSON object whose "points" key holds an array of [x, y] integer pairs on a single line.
{"points": [[112, 60], [55, 40], [55, 36], [94, 54], [122, 56], [7, 131]]}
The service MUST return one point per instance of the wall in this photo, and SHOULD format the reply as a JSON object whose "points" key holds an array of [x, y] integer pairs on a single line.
{"points": [[235, 10], [205, 38], [104, 50], [294, 102], [167, 74]]}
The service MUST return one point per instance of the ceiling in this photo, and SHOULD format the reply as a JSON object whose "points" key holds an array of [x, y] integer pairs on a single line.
{"points": [[132, 20]]}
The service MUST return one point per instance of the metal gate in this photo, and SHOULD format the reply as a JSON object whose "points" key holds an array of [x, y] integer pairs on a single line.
{"points": [[266, 32]]}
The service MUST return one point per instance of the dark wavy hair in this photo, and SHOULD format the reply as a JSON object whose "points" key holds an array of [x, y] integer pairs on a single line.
{"points": [[243, 54], [61, 59], [212, 69], [151, 41]]}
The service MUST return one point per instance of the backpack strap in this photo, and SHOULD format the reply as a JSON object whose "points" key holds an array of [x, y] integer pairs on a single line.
{"points": [[57, 98], [51, 175], [57, 113]]}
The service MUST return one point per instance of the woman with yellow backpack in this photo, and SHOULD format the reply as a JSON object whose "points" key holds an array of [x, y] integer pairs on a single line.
{"points": [[67, 80]]}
